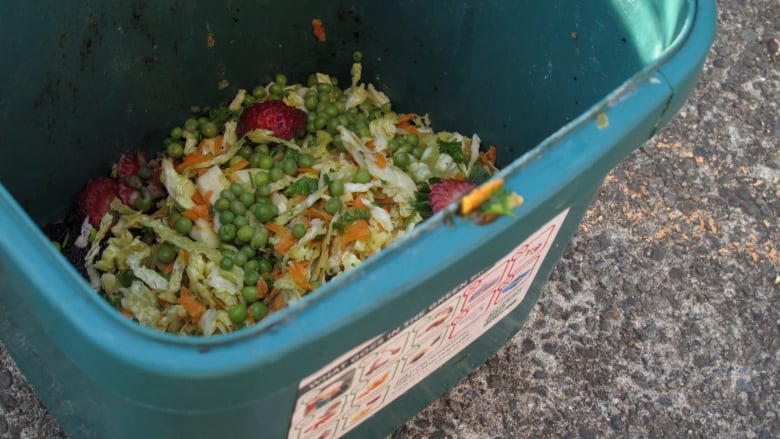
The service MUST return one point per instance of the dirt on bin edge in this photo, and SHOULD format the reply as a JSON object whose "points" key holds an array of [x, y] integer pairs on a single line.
{"points": [[662, 318]]}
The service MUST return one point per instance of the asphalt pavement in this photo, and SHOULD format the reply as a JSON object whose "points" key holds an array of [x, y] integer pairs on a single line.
{"points": [[662, 320]]}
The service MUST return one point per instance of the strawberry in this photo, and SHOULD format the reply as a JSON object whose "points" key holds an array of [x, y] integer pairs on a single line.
{"points": [[127, 165], [448, 191], [276, 116], [127, 194], [95, 198]]}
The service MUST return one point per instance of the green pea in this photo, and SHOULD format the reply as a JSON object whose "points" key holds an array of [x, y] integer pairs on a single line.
{"points": [[264, 190], [244, 234], [362, 176], [251, 277], [227, 217], [418, 151], [289, 166], [166, 254], [202, 121], [275, 90], [331, 110], [240, 221], [191, 125], [265, 265], [259, 310], [266, 162], [254, 160], [183, 225], [240, 259], [323, 88], [222, 204], [401, 159], [174, 150], [209, 129], [320, 122], [276, 173], [266, 212], [237, 313], [310, 102], [145, 171], [357, 56], [333, 205], [248, 251], [280, 79], [260, 239], [237, 207], [258, 91], [227, 232], [298, 231], [310, 127], [306, 160], [364, 131], [246, 198], [394, 144], [176, 133], [413, 140], [262, 149], [227, 194], [245, 151], [237, 189], [336, 188], [252, 265], [249, 100], [249, 293], [226, 263]]}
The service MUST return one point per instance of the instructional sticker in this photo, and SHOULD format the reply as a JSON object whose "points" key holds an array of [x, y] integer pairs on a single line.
{"points": [[353, 387]]}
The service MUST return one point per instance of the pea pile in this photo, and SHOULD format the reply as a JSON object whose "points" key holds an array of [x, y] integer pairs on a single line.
{"points": [[252, 222]]}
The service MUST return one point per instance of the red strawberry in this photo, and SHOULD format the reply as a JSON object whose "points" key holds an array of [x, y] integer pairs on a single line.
{"points": [[127, 165], [127, 194], [276, 116], [95, 198], [447, 191]]}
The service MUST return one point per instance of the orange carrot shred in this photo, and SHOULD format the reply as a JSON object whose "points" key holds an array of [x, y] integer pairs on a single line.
{"points": [[127, 313], [299, 271], [357, 231], [208, 196], [409, 128], [167, 268], [313, 212], [380, 160], [241, 164], [199, 211], [287, 239], [194, 308], [319, 30], [405, 118], [198, 198], [262, 288]]}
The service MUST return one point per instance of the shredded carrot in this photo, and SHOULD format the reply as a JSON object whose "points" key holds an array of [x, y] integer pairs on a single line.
{"points": [[127, 313], [185, 292], [277, 303], [167, 268], [380, 160], [357, 231], [287, 239], [208, 196], [370, 144], [313, 212], [185, 256], [405, 118], [197, 198], [488, 157], [409, 128], [262, 288], [299, 271], [319, 30], [305, 171], [194, 308], [480, 194], [358, 203], [241, 164], [193, 159], [460, 176], [199, 211]]}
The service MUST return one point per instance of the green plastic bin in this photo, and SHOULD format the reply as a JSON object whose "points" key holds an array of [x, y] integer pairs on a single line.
{"points": [[565, 89]]}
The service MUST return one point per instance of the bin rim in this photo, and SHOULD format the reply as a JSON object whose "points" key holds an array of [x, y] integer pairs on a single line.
{"points": [[279, 321]]}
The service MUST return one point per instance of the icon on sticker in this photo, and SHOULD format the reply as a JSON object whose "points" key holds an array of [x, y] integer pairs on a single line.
{"points": [[330, 392]]}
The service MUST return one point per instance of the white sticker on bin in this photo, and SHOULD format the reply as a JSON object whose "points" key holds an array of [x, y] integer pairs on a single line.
{"points": [[350, 389]]}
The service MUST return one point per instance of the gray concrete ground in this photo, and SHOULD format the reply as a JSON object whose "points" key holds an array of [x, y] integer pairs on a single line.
{"points": [[662, 319]]}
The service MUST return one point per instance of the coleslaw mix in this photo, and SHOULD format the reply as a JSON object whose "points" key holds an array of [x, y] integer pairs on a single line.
{"points": [[355, 185]]}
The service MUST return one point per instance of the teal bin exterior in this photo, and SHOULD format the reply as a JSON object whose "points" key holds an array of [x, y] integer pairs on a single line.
{"points": [[564, 89]]}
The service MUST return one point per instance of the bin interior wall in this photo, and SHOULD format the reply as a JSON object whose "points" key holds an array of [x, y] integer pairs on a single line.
{"points": [[88, 80]]}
